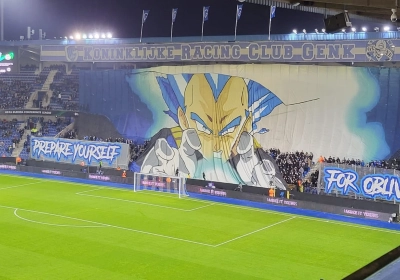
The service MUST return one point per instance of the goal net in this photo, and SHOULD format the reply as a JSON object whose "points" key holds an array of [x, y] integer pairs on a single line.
{"points": [[160, 183]]}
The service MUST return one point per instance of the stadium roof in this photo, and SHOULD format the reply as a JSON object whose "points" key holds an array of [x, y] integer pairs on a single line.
{"points": [[358, 9]]}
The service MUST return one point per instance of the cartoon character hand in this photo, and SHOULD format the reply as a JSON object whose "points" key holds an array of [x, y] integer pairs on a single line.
{"points": [[187, 151], [251, 170], [162, 159]]}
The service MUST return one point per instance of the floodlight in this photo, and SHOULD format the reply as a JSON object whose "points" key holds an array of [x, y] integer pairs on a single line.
{"points": [[109, 35]]}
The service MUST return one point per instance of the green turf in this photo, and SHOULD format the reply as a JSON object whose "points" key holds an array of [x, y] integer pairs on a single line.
{"points": [[60, 230]]}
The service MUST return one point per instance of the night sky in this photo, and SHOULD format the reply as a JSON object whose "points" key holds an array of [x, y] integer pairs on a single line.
{"points": [[59, 18]]}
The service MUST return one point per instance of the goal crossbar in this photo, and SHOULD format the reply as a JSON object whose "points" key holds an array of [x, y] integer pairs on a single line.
{"points": [[160, 183]]}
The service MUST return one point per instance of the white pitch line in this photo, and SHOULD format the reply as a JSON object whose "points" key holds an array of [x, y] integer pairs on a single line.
{"points": [[112, 226], [200, 207], [92, 190], [321, 220], [138, 202], [20, 185], [49, 224], [250, 233], [143, 203]]}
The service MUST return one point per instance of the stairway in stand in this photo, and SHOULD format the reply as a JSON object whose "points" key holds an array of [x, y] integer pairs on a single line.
{"points": [[314, 168], [19, 147], [46, 88]]}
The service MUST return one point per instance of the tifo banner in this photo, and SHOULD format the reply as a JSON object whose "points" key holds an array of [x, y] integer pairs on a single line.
{"points": [[75, 151], [362, 182], [221, 120], [291, 51]]}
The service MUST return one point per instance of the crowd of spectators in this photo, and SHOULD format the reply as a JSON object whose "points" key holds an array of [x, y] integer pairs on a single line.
{"points": [[386, 164], [59, 67], [293, 166], [51, 128], [10, 136], [65, 91], [28, 68], [14, 95], [70, 134]]}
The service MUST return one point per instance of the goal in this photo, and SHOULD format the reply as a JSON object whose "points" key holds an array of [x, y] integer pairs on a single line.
{"points": [[160, 183]]}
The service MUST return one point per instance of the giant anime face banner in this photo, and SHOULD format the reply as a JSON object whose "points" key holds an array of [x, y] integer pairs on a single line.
{"points": [[204, 126]]}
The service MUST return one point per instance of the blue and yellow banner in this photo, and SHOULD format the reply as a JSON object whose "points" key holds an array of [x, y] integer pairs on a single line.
{"points": [[271, 51]]}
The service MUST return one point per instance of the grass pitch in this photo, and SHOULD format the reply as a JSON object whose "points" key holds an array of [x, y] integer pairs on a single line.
{"points": [[62, 230]]}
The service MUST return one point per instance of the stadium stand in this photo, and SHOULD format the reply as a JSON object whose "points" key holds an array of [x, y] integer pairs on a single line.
{"points": [[65, 89], [52, 128], [10, 135], [16, 90]]}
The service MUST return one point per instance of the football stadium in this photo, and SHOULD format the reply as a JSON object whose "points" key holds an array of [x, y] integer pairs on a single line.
{"points": [[212, 157]]}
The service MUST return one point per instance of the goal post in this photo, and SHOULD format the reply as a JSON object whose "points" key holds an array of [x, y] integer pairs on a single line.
{"points": [[160, 183]]}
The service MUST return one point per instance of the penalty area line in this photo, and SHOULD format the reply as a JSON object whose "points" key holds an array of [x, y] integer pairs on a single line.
{"points": [[12, 187], [50, 224], [103, 225], [255, 231]]}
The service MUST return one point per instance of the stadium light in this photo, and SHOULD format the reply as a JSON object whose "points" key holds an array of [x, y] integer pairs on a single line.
{"points": [[77, 36], [84, 36], [386, 28], [316, 31], [109, 35], [294, 31], [344, 30], [353, 29], [96, 35], [71, 37], [364, 29], [376, 29], [323, 30], [90, 36], [103, 35], [304, 31]]}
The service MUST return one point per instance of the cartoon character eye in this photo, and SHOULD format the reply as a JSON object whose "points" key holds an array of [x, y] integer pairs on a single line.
{"points": [[230, 127], [230, 130], [202, 128]]}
